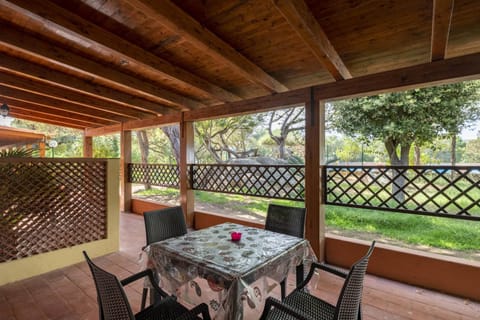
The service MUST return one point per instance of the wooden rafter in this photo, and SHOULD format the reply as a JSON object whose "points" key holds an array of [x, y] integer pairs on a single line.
{"points": [[49, 120], [300, 18], [88, 121], [46, 89], [42, 117], [93, 132], [28, 47], [441, 21], [57, 104], [62, 26], [175, 19], [53, 77]]}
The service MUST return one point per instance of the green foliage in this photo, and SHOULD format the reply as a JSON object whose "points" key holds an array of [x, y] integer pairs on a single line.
{"points": [[106, 146], [415, 116], [17, 153], [472, 151], [70, 142], [413, 229]]}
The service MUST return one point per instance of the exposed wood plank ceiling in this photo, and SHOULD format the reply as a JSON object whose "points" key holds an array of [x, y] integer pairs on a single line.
{"points": [[95, 63]]}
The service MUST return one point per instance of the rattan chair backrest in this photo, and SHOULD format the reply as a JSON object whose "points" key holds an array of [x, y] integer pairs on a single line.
{"points": [[112, 301], [164, 223], [286, 220], [348, 304]]}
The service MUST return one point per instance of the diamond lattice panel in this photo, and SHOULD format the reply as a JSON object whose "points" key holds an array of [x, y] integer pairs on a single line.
{"points": [[49, 205], [432, 190]]}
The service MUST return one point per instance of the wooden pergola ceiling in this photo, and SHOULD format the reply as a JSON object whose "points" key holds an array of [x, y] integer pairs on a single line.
{"points": [[95, 63]]}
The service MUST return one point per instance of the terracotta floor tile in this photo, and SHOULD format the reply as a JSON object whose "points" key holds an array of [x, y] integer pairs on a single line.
{"points": [[70, 293]]}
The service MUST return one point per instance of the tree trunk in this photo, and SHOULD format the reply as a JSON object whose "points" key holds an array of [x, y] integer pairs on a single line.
{"points": [[173, 135], [453, 155], [398, 180], [417, 155], [144, 150]]}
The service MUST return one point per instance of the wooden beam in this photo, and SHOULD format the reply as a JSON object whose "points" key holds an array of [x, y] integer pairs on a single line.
{"points": [[89, 121], [304, 23], [61, 79], [60, 25], [427, 74], [152, 122], [312, 173], [42, 117], [94, 132], [45, 120], [441, 21], [125, 159], [175, 19], [87, 147], [45, 89], [28, 47], [261, 104], [53, 103], [187, 154]]}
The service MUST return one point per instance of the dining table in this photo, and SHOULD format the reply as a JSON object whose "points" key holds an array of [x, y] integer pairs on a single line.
{"points": [[233, 276]]}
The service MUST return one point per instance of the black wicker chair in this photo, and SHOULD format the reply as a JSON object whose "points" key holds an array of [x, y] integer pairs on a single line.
{"points": [[160, 225], [164, 223], [302, 305], [286, 220], [113, 303]]}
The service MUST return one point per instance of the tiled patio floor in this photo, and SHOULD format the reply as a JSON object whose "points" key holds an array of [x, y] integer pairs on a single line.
{"points": [[69, 293]]}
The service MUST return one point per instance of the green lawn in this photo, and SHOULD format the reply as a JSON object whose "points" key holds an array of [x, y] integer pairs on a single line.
{"points": [[442, 233]]}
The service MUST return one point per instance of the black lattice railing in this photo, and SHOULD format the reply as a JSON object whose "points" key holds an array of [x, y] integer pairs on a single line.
{"points": [[164, 175], [428, 190], [275, 181], [50, 204]]}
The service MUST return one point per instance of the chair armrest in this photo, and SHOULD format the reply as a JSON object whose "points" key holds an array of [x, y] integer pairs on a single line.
{"points": [[145, 273], [321, 266], [333, 270], [272, 302]]}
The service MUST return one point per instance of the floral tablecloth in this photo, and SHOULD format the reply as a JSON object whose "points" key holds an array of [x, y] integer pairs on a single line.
{"points": [[206, 266]]}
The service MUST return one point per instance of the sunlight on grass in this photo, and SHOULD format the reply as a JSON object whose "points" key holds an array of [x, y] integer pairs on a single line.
{"points": [[443, 233]]}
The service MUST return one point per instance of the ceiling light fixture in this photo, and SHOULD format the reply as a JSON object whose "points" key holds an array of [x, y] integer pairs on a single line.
{"points": [[4, 110]]}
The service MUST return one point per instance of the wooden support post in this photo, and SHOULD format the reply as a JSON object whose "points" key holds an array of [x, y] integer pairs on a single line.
{"points": [[87, 146], [315, 221], [187, 199], [125, 159], [41, 149]]}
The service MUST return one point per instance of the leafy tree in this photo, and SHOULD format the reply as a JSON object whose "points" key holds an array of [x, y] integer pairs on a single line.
{"points": [[226, 138], [403, 118], [350, 151], [472, 151], [289, 121]]}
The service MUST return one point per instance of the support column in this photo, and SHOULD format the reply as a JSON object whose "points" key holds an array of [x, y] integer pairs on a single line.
{"points": [[314, 145], [41, 149], [87, 146], [187, 197], [125, 159]]}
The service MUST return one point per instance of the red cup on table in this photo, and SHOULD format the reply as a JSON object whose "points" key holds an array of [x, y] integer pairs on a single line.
{"points": [[236, 236]]}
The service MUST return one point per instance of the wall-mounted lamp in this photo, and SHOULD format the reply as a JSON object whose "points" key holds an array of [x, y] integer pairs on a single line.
{"points": [[4, 110]]}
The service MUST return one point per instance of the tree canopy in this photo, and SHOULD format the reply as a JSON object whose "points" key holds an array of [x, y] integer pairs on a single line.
{"points": [[403, 118]]}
